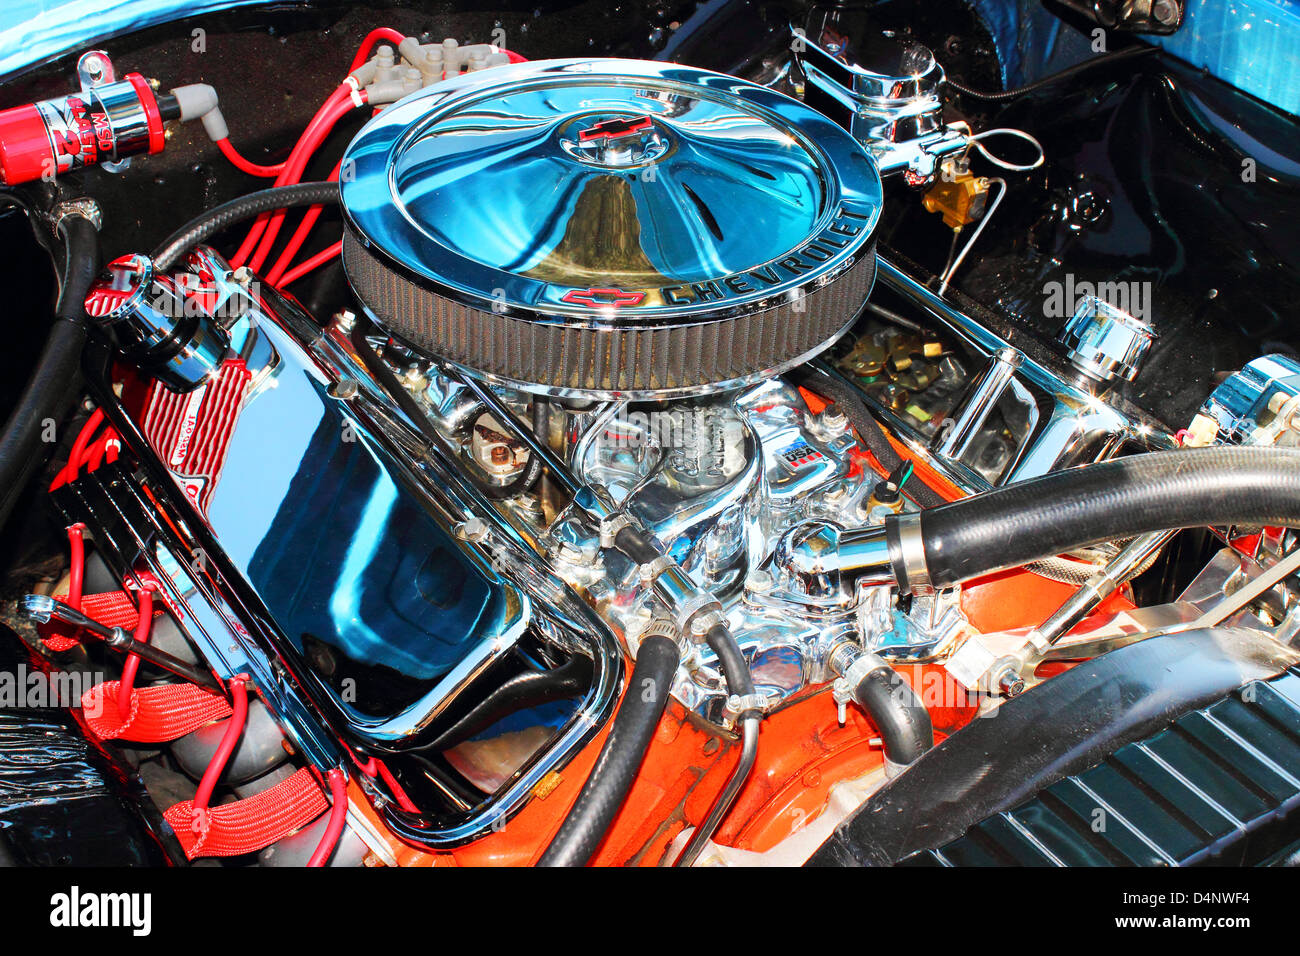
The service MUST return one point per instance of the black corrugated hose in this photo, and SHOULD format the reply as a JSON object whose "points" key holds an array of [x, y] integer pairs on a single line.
{"points": [[56, 378], [227, 214], [620, 758], [1077, 507]]}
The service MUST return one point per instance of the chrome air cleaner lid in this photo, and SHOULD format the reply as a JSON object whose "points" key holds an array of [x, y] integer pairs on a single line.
{"points": [[610, 227]]}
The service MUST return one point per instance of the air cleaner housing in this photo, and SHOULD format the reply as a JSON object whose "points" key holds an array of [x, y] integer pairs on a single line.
{"points": [[610, 228]]}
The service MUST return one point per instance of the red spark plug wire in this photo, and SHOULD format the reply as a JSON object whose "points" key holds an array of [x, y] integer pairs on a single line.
{"points": [[246, 165], [64, 639], [262, 235], [88, 453], [112, 446], [220, 756], [105, 448], [264, 230], [307, 265], [69, 471], [274, 170], [126, 687], [395, 37], [293, 173], [338, 818], [76, 564], [372, 767], [259, 225], [299, 236]]}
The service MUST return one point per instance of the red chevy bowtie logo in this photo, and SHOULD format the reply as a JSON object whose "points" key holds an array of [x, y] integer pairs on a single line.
{"points": [[602, 298], [614, 129]]}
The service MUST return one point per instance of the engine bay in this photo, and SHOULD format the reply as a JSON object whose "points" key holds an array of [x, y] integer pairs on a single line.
{"points": [[754, 435]]}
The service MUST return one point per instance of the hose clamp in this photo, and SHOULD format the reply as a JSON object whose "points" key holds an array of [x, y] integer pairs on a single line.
{"points": [[742, 704], [610, 526], [907, 549], [853, 674], [85, 207], [680, 595], [659, 626], [856, 672], [693, 613], [705, 620], [652, 569]]}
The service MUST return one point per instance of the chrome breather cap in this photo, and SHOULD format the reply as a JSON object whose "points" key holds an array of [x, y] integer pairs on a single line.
{"points": [[159, 320], [1105, 342], [610, 227]]}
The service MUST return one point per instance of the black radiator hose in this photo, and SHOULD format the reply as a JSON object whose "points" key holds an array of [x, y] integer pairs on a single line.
{"points": [[1081, 506], [54, 381], [620, 758]]}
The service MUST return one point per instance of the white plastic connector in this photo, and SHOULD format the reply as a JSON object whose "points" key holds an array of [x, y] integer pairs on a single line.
{"points": [[214, 124], [410, 50], [195, 100], [380, 94], [363, 75], [199, 101], [386, 77]]}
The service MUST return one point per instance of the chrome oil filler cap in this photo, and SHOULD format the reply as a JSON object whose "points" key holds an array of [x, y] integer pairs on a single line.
{"points": [[1105, 342], [610, 228]]}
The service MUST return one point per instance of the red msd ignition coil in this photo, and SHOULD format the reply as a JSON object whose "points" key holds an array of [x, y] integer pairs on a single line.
{"points": [[105, 123]]}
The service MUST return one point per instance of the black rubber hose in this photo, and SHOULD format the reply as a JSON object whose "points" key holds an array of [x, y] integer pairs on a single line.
{"points": [[732, 661], [1123, 498], [55, 380], [244, 207], [616, 767], [821, 379], [1127, 53], [1060, 727], [897, 713], [642, 550]]}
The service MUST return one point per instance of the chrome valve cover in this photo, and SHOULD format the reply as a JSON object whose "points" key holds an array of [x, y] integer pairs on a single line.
{"points": [[610, 228]]}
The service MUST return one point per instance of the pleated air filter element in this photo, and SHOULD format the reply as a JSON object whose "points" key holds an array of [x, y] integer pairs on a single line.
{"points": [[610, 228]]}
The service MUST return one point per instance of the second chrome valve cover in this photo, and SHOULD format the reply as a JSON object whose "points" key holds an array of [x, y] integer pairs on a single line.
{"points": [[610, 228]]}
